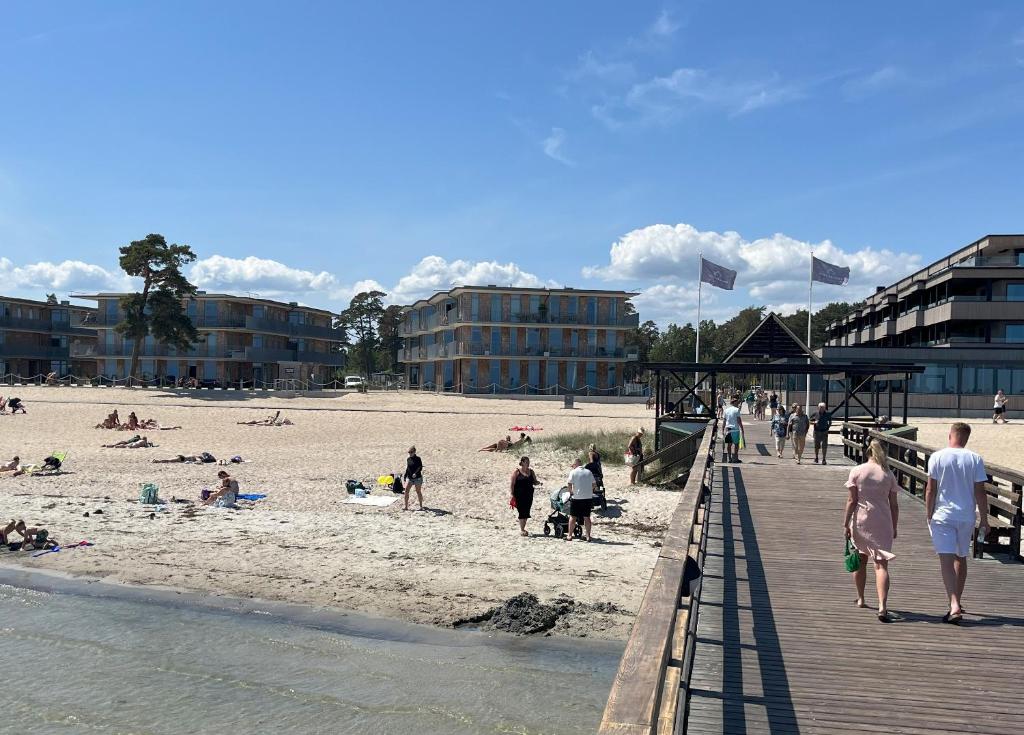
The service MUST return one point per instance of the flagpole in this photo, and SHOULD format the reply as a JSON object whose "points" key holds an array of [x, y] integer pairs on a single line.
{"points": [[810, 289], [696, 352]]}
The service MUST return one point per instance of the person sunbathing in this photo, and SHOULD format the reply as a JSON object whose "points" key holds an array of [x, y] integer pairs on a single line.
{"points": [[269, 421], [11, 466], [136, 442], [16, 405], [112, 421], [499, 446], [522, 441], [132, 424], [32, 538], [198, 458]]}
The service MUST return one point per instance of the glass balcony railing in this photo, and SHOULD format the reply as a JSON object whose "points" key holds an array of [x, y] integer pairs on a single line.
{"points": [[567, 320]]}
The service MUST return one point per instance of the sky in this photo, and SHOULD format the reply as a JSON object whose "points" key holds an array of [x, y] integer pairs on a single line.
{"points": [[310, 150]]}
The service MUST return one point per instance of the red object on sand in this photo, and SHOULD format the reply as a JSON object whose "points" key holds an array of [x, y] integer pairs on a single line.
{"points": [[512, 503], [525, 428]]}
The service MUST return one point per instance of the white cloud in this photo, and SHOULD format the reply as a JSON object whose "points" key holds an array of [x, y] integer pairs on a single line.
{"points": [[590, 67], [666, 303], [552, 146], [666, 99], [665, 25], [63, 277], [434, 273], [769, 268], [268, 278], [876, 82]]}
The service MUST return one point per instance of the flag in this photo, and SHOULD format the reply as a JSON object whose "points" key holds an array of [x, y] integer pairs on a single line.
{"points": [[717, 275], [823, 272]]}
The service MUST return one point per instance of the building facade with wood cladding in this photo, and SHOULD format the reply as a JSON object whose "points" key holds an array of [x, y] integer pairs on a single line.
{"points": [[492, 339], [42, 337], [961, 317]]}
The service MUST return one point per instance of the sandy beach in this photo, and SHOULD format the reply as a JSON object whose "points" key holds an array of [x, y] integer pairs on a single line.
{"points": [[302, 543]]}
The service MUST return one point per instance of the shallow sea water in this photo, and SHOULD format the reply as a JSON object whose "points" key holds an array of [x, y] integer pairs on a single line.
{"points": [[83, 661]]}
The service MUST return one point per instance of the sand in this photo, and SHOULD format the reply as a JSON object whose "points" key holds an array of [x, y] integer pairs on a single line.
{"points": [[303, 544], [997, 443]]}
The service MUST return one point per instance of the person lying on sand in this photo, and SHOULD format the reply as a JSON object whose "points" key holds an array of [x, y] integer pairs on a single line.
{"points": [[16, 405], [11, 466], [269, 421], [226, 495], [112, 421], [522, 441], [136, 442], [499, 446], [198, 458]]}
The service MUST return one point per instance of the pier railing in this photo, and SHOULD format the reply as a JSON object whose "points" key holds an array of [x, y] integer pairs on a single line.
{"points": [[650, 693], [909, 462], [677, 457]]}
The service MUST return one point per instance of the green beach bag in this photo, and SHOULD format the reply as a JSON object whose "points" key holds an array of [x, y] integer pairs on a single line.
{"points": [[149, 494], [851, 558]]}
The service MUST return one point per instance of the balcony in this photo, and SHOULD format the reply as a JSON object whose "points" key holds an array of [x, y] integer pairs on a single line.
{"points": [[277, 326], [334, 359], [472, 349], [565, 320], [911, 319], [32, 351], [48, 326], [989, 261], [119, 351]]}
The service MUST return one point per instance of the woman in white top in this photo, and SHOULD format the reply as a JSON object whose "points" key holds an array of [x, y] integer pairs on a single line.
{"points": [[999, 407]]}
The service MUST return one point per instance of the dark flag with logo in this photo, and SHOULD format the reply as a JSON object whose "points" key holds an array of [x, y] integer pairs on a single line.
{"points": [[823, 272], [717, 275]]}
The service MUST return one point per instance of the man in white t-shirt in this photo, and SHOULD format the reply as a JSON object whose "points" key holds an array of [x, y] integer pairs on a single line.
{"points": [[581, 494], [956, 485], [732, 428]]}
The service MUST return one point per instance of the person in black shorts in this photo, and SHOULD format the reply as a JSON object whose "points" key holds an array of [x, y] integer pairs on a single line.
{"points": [[524, 479], [413, 477]]}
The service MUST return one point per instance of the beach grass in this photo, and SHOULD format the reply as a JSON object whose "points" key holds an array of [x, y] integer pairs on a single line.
{"points": [[610, 444]]}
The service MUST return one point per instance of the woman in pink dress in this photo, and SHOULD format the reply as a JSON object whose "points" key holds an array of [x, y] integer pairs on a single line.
{"points": [[873, 495]]}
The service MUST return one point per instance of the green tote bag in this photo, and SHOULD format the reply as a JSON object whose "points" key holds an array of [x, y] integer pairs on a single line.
{"points": [[851, 558]]}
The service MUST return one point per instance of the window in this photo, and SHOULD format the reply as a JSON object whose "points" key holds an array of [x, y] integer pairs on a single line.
{"points": [[257, 340], [513, 374], [592, 374], [533, 373], [978, 379], [259, 311], [495, 307], [1015, 332], [552, 380], [515, 307], [474, 307], [495, 343], [472, 372], [495, 375], [935, 379], [1015, 292], [570, 375], [592, 310]]}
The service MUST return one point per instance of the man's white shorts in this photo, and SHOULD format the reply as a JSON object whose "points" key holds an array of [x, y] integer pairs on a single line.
{"points": [[952, 537]]}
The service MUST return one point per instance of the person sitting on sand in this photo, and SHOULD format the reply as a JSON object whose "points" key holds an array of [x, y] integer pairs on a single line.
{"points": [[499, 446], [3, 405], [51, 378], [11, 466], [32, 538], [16, 405], [226, 495], [112, 421], [136, 442], [132, 424]]}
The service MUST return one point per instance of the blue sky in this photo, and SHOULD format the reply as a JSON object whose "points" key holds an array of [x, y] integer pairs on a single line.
{"points": [[306, 150]]}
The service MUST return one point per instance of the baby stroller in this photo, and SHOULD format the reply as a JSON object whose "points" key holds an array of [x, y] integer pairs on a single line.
{"points": [[559, 519], [599, 496]]}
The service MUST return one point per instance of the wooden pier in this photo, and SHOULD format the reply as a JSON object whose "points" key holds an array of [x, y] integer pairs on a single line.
{"points": [[769, 639]]}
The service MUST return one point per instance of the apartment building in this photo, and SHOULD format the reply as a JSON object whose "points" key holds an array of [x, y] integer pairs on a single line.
{"points": [[242, 340], [962, 317], [491, 339], [40, 337]]}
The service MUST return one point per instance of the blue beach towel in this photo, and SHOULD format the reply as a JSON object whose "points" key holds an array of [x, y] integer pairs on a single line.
{"points": [[250, 496]]}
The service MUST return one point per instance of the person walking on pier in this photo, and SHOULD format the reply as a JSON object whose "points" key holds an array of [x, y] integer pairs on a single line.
{"points": [[798, 426], [779, 430], [872, 517], [956, 484], [733, 429], [822, 421]]}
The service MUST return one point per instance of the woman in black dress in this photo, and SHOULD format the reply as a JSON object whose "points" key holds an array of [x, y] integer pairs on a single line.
{"points": [[524, 480]]}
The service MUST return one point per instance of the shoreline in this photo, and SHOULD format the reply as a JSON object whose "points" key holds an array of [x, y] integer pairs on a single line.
{"points": [[337, 621]]}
